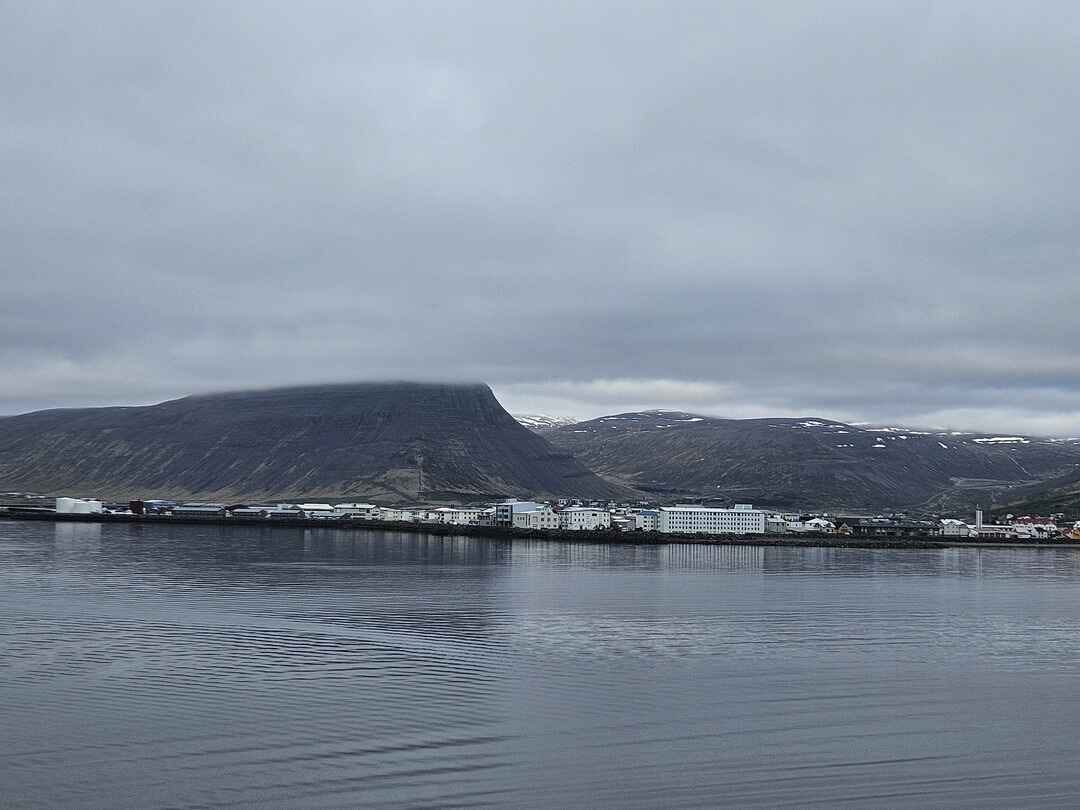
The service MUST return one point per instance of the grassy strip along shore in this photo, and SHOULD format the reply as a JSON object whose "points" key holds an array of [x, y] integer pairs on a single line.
{"points": [[557, 535]]}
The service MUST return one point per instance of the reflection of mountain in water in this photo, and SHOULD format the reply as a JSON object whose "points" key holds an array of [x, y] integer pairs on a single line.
{"points": [[360, 579]]}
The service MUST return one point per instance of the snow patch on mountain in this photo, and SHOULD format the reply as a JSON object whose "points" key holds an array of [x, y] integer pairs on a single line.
{"points": [[540, 421]]}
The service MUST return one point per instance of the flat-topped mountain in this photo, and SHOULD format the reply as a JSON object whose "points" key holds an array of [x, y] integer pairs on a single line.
{"points": [[810, 462], [374, 440]]}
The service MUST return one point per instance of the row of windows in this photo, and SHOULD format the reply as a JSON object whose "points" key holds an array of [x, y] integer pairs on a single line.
{"points": [[717, 519], [714, 514]]}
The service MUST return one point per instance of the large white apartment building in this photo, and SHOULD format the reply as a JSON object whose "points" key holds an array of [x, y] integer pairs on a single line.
{"points": [[743, 519], [584, 518]]}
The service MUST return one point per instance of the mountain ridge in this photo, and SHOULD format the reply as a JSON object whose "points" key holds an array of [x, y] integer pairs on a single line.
{"points": [[810, 461], [353, 439]]}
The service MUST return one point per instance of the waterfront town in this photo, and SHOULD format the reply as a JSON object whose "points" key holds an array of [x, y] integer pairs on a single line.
{"points": [[571, 515]]}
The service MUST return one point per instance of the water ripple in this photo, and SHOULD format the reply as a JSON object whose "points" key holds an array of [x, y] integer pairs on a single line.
{"points": [[193, 667]]}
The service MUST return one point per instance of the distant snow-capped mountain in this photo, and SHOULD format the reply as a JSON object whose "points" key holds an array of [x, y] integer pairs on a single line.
{"points": [[823, 463], [540, 421]]}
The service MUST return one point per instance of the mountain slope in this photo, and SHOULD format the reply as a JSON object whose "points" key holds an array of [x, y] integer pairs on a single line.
{"points": [[1060, 494], [357, 439], [808, 462]]}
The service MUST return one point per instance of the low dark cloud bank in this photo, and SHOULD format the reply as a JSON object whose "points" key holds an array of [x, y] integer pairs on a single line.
{"points": [[855, 210]]}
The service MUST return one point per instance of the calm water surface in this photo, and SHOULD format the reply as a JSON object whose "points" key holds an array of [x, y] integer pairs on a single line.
{"points": [[190, 667]]}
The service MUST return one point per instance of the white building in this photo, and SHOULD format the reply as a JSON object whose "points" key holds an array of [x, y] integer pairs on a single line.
{"points": [[459, 515], [646, 520], [77, 506], [400, 515], [542, 518], [981, 529], [366, 511], [1036, 529], [584, 518], [505, 511], [743, 519], [818, 525], [950, 527]]}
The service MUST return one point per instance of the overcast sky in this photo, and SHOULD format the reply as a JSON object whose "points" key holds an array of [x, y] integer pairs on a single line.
{"points": [[863, 211]]}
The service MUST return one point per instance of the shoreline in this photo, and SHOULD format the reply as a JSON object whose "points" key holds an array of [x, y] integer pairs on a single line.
{"points": [[551, 535]]}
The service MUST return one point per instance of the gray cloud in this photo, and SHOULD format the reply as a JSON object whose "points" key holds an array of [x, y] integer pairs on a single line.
{"points": [[854, 211]]}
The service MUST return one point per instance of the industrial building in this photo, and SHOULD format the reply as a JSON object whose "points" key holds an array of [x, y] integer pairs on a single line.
{"points": [[887, 527], [78, 506], [200, 509], [366, 511], [318, 510]]}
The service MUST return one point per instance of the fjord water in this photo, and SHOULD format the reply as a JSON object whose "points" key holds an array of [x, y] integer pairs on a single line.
{"points": [[202, 667]]}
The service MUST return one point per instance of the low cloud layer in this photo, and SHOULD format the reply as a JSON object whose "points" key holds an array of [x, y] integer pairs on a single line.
{"points": [[853, 211]]}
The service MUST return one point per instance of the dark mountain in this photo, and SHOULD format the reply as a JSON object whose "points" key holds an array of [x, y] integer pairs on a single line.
{"points": [[810, 462], [1060, 494], [344, 440]]}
